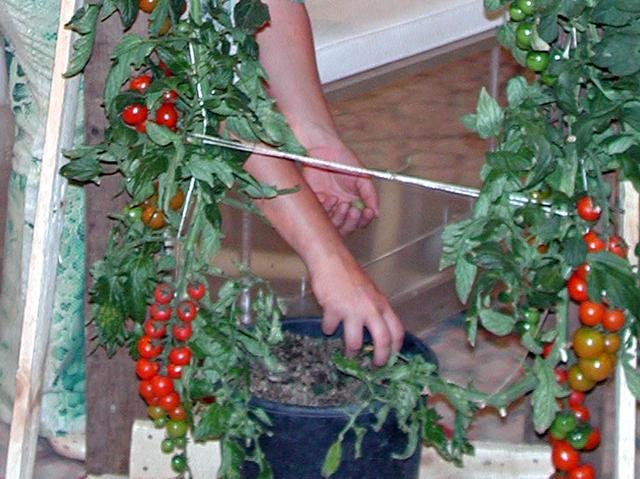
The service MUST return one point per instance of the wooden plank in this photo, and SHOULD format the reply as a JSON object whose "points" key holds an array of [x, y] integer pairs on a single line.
{"points": [[492, 460], [63, 102], [112, 399], [625, 438]]}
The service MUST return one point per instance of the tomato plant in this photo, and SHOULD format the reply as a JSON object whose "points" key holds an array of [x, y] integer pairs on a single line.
{"points": [[147, 349], [613, 320], [182, 332], [163, 293], [160, 312], [196, 291], [593, 242], [187, 310], [584, 471], [140, 83], [588, 343], [161, 385], [180, 356], [167, 115], [577, 288]]}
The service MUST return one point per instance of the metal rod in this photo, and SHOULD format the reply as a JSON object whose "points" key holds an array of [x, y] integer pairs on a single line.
{"points": [[361, 171]]}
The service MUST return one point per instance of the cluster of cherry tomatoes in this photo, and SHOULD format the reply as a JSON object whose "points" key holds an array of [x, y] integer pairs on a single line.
{"points": [[137, 114], [162, 358], [595, 344], [522, 12]]}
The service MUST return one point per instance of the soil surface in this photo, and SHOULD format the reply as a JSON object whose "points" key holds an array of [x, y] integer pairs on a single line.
{"points": [[310, 377]]}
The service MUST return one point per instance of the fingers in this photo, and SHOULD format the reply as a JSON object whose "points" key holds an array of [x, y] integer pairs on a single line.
{"points": [[368, 194], [339, 214], [381, 340], [396, 330], [352, 337], [367, 216], [351, 221], [330, 322]]}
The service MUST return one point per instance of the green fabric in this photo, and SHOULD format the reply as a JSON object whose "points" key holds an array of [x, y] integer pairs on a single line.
{"points": [[29, 27]]}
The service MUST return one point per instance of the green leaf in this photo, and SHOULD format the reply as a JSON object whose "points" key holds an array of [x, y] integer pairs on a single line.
{"points": [[250, 15], [130, 52], [161, 135], [614, 275], [574, 250], [158, 16], [465, 276], [332, 459], [620, 53], [83, 22], [83, 169], [128, 11], [517, 91], [496, 323], [544, 395], [489, 116], [492, 5]]}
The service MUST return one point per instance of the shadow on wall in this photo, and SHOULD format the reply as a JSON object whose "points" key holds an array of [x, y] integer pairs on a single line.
{"points": [[6, 140]]}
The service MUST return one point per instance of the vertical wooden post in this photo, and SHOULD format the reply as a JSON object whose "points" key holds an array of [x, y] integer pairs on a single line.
{"points": [[60, 126], [625, 439]]}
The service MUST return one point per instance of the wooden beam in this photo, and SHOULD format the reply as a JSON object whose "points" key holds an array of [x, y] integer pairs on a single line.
{"points": [[60, 125], [625, 438]]}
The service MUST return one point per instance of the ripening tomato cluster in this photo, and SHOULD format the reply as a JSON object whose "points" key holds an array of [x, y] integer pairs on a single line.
{"points": [[148, 6], [162, 357], [595, 344], [137, 114]]}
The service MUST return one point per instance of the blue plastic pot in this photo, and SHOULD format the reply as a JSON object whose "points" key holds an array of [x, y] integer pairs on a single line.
{"points": [[302, 435]]}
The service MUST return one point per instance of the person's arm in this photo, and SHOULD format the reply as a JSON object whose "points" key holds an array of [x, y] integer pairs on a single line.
{"points": [[342, 288], [287, 53]]}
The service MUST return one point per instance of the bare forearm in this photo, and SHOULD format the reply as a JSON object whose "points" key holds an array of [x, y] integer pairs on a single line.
{"points": [[288, 56]]}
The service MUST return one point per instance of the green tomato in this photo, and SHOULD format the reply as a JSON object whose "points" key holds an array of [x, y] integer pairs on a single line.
{"points": [[176, 429], [180, 442], [523, 327], [579, 435], [524, 33], [133, 213], [532, 316], [160, 422], [156, 412], [537, 61], [563, 424], [167, 445], [516, 14], [527, 6], [179, 463]]}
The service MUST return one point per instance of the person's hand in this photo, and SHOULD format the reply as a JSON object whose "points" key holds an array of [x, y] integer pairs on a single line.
{"points": [[351, 201], [347, 295]]}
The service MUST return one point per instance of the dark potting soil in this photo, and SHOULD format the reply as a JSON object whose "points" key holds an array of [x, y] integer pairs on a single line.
{"points": [[309, 378]]}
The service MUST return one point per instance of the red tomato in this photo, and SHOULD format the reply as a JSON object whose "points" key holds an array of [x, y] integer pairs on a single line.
{"points": [[593, 440], [581, 412], [169, 96], [564, 457], [613, 320], [141, 127], [591, 313], [169, 401], [178, 413], [165, 69], [180, 356], [576, 398], [582, 271], [134, 114], [162, 385], [546, 349], [561, 375], [160, 312], [140, 83], [182, 332], [174, 371], [167, 115], [147, 349], [146, 390], [584, 471], [152, 330], [163, 293], [187, 310], [196, 291], [593, 242], [146, 369], [587, 210], [618, 246], [577, 288]]}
